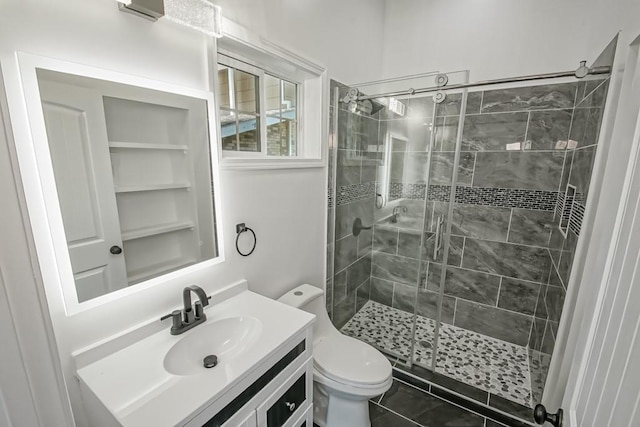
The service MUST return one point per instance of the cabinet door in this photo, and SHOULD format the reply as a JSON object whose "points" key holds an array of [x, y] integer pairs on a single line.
{"points": [[74, 119]]}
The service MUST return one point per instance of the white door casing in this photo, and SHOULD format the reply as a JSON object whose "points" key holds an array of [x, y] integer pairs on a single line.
{"points": [[74, 119]]}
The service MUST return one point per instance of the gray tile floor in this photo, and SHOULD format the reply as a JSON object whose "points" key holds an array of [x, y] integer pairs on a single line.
{"points": [[494, 366], [405, 405]]}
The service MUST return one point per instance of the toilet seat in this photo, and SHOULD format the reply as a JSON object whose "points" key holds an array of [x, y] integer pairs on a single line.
{"points": [[349, 361]]}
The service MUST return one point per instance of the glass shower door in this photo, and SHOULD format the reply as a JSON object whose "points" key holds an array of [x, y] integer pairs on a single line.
{"points": [[440, 250]]}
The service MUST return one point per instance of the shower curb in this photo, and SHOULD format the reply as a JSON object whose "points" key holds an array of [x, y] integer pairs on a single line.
{"points": [[459, 399]]}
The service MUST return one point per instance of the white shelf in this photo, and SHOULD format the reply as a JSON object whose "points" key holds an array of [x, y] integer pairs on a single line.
{"points": [[155, 230], [158, 187], [145, 146], [155, 270]]}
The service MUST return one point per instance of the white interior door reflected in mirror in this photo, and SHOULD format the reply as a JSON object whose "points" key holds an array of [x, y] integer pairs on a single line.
{"points": [[135, 178], [81, 162]]}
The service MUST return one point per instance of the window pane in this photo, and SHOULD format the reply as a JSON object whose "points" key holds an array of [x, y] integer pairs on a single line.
{"points": [[272, 89], [223, 86], [281, 137], [246, 89], [248, 133], [290, 94]]}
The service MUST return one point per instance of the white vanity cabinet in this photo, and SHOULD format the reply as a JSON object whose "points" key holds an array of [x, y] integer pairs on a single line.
{"points": [[280, 397], [264, 379]]}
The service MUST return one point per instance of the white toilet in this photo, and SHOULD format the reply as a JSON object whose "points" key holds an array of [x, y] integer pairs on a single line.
{"points": [[347, 372]]}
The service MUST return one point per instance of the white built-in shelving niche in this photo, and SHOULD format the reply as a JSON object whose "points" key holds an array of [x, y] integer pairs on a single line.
{"points": [[162, 182]]}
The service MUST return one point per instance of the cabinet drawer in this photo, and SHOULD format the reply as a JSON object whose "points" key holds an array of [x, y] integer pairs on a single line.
{"points": [[290, 401], [306, 419]]}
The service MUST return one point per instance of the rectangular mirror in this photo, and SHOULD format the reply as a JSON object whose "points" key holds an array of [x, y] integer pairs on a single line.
{"points": [[134, 177]]}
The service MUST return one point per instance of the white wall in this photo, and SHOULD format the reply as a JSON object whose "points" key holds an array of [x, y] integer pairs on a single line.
{"points": [[344, 36], [498, 38], [286, 208]]}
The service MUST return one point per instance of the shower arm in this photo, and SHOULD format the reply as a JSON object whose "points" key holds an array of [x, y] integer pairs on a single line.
{"points": [[576, 73]]}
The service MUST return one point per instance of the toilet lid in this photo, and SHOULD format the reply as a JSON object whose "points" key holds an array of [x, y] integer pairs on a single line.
{"points": [[347, 360]]}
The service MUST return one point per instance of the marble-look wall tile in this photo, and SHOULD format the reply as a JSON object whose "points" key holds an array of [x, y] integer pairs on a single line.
{"points": [[456, 244], [555, 301], [518, 295], [346, 252], [395, 268], [362, 294], [365, 242], [357, 273], [511, 260], [581, 169], [483, 222], [409, 243], [521, 169], [344, 311], [348, 170], [381, 291], [546, 128], [494, 322], [537, 334], [530, 98], [566, 257], [428, 306], [584, 126], [441, 170], [592, 128], [451, 105], [530, 227], [467, 284], [343, 221], [404, 297], [493, 132], [328, 296], [541, 307], [548, 342], [446, 133], [340, 287], [556, 242], [385, 239]]}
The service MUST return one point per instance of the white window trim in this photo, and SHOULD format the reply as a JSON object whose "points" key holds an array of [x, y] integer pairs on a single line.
{"points": [[246, 51]]}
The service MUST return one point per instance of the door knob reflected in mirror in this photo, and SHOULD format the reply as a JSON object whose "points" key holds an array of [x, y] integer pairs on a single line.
{"points": [[115, 250]]}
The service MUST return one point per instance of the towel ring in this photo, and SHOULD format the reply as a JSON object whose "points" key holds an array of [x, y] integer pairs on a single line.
{"points": [[241, 228]]}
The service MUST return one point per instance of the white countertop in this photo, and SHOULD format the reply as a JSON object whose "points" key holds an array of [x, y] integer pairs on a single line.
{"points": [[135, 387]]}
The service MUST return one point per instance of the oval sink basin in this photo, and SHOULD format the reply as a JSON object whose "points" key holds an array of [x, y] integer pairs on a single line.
{"points": [[224, 338]]}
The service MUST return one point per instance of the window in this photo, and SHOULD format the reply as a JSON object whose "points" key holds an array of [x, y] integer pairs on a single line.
{"points": [[258, 111], [272, 104]]}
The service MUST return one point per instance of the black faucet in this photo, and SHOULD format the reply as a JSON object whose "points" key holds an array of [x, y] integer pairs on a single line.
{"points": [[188, 317]]}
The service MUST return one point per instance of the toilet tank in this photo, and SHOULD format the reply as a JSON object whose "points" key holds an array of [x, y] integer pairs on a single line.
{"points": [[311, 299]]}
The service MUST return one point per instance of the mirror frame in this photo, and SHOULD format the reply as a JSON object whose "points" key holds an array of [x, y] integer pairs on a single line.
{"points": [[41, 193]]}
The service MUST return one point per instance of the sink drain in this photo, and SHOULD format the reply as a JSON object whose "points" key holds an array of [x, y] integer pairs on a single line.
{"points": [[210, 361]]}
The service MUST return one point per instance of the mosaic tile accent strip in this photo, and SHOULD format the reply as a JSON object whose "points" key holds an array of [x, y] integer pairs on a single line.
{"points": [[577, 215], [498, 197], [352, 193], [329, 198], [406, 191], [559, 203], [486, 196], [491, 365]]}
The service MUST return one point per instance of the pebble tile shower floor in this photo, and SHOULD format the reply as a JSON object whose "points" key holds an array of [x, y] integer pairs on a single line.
{"points": [[489, 364]]}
